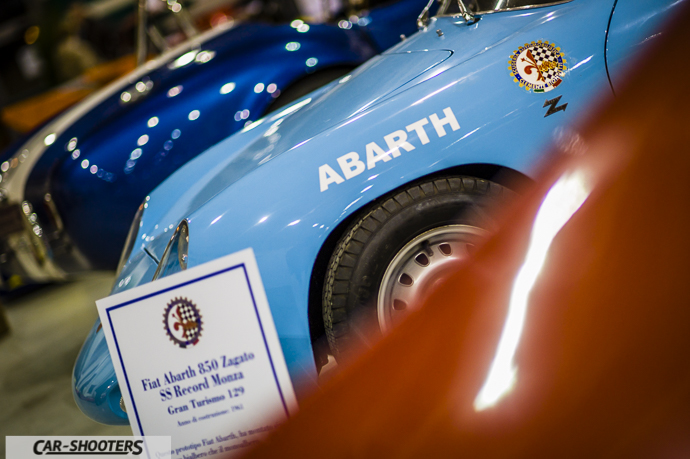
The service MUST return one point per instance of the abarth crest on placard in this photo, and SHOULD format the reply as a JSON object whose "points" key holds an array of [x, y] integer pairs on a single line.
{"points": [[538, 66], [182, 322]]}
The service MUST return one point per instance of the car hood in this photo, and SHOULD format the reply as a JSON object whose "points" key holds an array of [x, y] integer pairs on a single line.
{"points": [[410, 63]]}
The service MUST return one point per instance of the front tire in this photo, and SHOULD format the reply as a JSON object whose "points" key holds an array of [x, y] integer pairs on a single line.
{"points": [[397, 249]]}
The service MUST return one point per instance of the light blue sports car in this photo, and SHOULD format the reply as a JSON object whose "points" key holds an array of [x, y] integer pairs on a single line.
{"points": [[357, 196]]}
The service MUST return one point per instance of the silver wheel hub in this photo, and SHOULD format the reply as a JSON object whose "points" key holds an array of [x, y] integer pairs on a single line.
{"points": [[419, 266]]}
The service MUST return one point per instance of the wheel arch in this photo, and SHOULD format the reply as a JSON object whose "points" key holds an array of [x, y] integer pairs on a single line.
{"points": [[508, 177]]}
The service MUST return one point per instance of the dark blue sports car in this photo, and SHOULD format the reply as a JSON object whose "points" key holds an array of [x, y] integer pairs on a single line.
{"points": [[68, 194]]}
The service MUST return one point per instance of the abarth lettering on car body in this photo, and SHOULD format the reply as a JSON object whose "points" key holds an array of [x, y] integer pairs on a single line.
{"points": [[352, 166]]}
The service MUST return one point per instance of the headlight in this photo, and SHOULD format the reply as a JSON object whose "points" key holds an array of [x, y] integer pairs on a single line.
{"points": [[131, 239], [175, 256]]}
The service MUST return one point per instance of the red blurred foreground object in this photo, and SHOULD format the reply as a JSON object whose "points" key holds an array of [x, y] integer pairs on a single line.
{"points": [[576, 345]]}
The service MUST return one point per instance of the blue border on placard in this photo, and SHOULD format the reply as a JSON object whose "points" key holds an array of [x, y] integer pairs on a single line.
{"points": [[160, 292]]}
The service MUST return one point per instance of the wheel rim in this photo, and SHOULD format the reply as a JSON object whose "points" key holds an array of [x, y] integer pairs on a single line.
{"points": [[419, 265]]}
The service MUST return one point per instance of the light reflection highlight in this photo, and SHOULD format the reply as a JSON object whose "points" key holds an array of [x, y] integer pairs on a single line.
{"points": [[292, 46], [227, 88], [469, 134], [561, 202], [175, 90], [194, 114], [291, 108], [582, 62], [253, 125], [273, 129], [205, 56], [152, 122], [50, 138], [242, 115], [183, 60]]}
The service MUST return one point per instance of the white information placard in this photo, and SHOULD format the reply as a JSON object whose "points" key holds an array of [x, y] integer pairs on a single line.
{"points": [[198, 359]]}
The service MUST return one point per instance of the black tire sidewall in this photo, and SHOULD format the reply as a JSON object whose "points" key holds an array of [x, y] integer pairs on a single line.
{"points": [[430, 212]]}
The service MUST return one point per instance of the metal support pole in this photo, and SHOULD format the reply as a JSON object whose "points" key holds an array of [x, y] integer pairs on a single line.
{"points": [[142, 41]]}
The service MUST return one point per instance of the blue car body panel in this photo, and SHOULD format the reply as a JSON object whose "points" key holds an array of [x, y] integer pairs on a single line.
{"points": [[634, 29], [99, 394], [275, 163]]}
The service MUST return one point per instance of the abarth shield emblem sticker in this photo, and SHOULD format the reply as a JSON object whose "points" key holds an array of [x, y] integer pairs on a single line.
{"points": [[537, 66], [182, 322]]}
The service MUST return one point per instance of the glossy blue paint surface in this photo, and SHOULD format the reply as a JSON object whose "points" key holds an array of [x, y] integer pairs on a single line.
{"points": [[97, 394], [124, 149], [635, 27], [260, 188]]}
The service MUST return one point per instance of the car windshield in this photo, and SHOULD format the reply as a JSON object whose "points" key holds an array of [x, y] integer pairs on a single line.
{"points": [[481, 6]]}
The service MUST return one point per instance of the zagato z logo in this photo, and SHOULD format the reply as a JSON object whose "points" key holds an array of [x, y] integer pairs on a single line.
{"points": [[182, 322]]}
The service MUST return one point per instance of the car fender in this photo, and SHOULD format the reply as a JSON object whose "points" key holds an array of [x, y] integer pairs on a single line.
{"points": [[289, 220], [95, 387]]}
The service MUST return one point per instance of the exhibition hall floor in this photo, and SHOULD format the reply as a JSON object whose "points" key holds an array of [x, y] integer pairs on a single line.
{"points": [[48, 327]]}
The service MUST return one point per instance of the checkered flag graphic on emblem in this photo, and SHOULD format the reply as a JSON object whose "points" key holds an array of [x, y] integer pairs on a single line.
{"points": [[187, 314], [183, 322], [543, 54]]}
